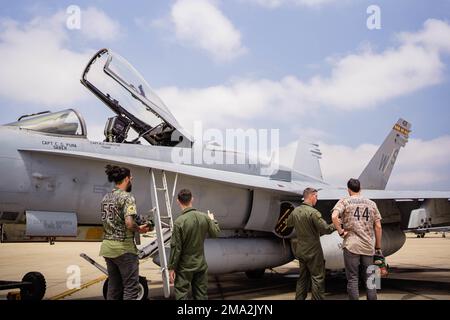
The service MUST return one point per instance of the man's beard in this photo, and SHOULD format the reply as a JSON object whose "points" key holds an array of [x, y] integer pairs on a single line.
{"points": [[129, 187]]}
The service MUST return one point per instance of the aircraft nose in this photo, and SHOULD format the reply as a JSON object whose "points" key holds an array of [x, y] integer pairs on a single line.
{"points": [[13, 164], [15, 182]]}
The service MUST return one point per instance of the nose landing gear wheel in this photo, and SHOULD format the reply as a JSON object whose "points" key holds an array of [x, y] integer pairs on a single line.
{"points": [[143, 288], [36, 289]]}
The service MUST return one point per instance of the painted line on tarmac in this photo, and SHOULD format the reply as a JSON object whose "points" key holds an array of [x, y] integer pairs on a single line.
{"points": [[84, 286]]}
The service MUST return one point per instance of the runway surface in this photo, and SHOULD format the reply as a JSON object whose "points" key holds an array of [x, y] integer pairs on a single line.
{"points": [[420, 270]]}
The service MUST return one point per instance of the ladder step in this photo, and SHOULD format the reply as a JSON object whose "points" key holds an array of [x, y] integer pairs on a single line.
{"points": [[161, 189]]}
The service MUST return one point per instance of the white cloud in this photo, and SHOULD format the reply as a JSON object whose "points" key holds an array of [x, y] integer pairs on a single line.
{"points": [[266, 3], [278, 3], [434, 35], [221, 105], [423, 163], [420, 165], [356, 81], [366, 79], [39, 69], [97, 25], [310, 134], [200, 23], [339, 162], [36, 63]]}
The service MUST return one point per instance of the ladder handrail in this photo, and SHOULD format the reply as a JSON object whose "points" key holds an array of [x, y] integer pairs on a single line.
{"points": [[166, 198], [174, 189], [160, 230]]}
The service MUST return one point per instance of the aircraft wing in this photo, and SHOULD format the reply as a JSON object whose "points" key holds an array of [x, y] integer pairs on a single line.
{"points": [[246, 180], [336, 194], [235, 178], [431, 229]]}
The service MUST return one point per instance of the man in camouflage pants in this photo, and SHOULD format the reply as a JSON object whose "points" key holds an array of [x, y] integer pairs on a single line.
{"points": [[118, 210], [187, 263]]}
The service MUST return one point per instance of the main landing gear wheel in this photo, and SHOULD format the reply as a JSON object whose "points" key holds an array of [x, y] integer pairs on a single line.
{"points": [[255, 274], [36, 289], [143, 288]]}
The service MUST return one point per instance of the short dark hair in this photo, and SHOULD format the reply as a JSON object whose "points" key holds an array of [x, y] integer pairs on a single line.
{"points": [[184, 196], [307, 192], [117, 174], [354, 185]]}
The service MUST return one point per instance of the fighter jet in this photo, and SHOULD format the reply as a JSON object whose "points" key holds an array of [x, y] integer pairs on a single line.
{"points": [[53, 179]]}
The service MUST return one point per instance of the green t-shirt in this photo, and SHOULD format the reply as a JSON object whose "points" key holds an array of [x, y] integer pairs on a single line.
{"points": [[114, 248]]}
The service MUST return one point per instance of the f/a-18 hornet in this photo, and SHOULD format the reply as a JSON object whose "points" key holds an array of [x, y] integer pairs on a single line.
{"points": [[53, 180]]}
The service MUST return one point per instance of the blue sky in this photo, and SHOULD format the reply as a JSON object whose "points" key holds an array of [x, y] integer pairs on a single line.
{"points": [[311, 68]]}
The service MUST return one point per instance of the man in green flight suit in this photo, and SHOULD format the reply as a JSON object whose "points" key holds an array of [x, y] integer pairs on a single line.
{"points": [[309, 226], [120, 221], [187, 263]]}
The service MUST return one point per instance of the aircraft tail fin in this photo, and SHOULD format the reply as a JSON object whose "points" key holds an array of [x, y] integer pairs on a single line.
{"points": [[307, 159], [379, 169]]}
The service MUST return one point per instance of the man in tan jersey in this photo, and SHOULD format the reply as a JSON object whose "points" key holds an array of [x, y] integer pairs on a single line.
{"points": [[362, 224]]}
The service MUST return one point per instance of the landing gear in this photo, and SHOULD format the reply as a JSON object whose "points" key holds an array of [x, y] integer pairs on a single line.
{"points": [[34, 291], [255, 274], [143, 288], [32, 286], [143, 285]]}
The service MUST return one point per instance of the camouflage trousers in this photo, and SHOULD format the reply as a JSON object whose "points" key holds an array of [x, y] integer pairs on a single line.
{"points": [[198, 280]]}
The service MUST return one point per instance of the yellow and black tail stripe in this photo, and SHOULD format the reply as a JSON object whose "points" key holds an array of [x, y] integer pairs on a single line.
{"points": [[402, 130]]}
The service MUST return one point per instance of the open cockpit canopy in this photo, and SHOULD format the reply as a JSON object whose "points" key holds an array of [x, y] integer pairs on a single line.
{"points": [[121, 87]]}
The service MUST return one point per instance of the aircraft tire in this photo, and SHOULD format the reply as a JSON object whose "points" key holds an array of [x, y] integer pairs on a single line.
{"points": [[255, 274], [143, 288], [36, 290]]}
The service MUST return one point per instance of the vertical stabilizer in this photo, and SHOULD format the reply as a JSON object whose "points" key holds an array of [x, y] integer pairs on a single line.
{"points": [[307, 159], [379, 169]]}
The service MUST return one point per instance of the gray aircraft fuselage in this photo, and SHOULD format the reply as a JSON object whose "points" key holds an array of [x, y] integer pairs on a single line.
{"points": [[74, 185], [45, 182], [59, 173]]}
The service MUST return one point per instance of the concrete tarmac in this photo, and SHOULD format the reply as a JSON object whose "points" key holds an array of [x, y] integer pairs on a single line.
{"points": [[420, 270]]}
